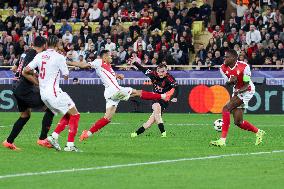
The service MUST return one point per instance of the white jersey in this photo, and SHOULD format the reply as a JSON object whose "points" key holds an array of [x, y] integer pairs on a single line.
{"points": [[106, 73], [50, 64]]}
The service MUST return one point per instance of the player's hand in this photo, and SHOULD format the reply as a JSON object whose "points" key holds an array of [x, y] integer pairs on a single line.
{"points": [[233, 80], [120, 76], [174, 100]]}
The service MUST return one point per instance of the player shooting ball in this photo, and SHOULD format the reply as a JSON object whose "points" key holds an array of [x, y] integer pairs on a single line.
{"points": [[237, 73], [163, 82]]}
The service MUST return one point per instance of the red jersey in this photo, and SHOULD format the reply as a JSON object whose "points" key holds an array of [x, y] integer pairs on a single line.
{"points": [[239, 70]]}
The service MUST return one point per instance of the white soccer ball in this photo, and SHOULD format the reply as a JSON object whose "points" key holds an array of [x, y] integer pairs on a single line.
{"points": [[218, 125]]}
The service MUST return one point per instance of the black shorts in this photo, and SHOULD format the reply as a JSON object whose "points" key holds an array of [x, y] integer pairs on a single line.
{"points": [[29, 100], [164, 104]]}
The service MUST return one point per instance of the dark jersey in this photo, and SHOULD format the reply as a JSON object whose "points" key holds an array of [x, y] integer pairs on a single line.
{"points": [[160, 85], [24, 86]]}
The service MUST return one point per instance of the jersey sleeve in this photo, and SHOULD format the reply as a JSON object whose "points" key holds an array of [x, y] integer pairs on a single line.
{"points": [[247, 71], [96, 63], [223, 75], [173, 83], [63, 66], [149, 73], [34, 63]]}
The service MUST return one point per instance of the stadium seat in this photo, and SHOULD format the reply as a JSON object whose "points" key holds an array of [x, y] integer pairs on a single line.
{"points": [[197, 27]]}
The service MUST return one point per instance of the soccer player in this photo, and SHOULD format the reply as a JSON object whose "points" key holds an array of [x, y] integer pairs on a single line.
{"points": [[237, 73], [50, 64], [114, 93], [162, 83], [27, 97]]}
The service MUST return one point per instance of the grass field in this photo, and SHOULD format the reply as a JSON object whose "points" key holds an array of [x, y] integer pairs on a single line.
{"points": [[195, 165]]}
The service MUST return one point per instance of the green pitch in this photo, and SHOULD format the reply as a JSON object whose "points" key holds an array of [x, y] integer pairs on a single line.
{"points": [[188, 137]]}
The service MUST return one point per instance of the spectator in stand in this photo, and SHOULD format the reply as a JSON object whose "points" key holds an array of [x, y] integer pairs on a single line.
{"points": [[177, 54], [29, 20], [241, 9], [253, 36], [205, 12], [220, 7], [145, 19], [138, 42], [105, 28], [110, 46], [75, 13], [94, 13], [194, 11]]}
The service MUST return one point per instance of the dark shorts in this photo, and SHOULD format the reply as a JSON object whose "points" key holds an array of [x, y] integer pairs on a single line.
{"points": [[29, 100], [164, 105]]}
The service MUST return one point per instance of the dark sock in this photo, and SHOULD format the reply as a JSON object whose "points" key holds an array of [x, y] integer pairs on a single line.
{"points": [[18, 126], [45, 124], [161, 127], [140, 130]]}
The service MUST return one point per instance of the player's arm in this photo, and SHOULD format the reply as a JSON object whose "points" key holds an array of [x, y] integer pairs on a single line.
{"points": [[228, 81], [149, 73], [82, 65], [174, 86], [63, 68], [246, 80], [28, 71]]}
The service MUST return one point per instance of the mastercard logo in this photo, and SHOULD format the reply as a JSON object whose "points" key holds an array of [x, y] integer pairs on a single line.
{"points": [[204, 99]]}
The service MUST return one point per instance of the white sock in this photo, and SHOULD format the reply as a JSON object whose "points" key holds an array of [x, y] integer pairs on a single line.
{"points": [[55, 135], [70, 144], [89, 133], [223, 139]]}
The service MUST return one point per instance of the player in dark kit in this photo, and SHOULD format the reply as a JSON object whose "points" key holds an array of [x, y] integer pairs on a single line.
{"points": [[162, 82], [28, 96]]}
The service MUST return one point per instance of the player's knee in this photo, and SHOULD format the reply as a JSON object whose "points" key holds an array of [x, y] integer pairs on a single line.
{"points": [[226, 109], [156, 107], [238, 122], [26, 114]]}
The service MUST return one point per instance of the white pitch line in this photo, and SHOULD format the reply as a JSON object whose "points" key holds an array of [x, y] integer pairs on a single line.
{"points": [[135, 164]]}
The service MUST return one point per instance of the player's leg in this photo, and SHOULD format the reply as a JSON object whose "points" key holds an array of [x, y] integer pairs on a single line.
{"points": [[111, 107], [245, 125], [157, 109], [231, 105], [146, 95], [145, 126], [25, 114], [45, 127]]}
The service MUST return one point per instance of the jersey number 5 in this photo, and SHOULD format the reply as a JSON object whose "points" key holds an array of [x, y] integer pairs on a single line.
{"points": [[42, 70]]}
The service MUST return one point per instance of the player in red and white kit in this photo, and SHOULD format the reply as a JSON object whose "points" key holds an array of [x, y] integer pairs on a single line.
{"points": [[115, 93], [237, 73], [50, 64]]}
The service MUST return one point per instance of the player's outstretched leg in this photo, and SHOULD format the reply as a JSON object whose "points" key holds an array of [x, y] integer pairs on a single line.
{"points": [[231, 105], [73, 124], [99, 123], [17, 128], [145, 126], [46, 123], [157, 110], [53, 139], [245, 125]]}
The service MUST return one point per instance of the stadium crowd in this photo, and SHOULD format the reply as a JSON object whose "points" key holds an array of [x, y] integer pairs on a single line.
{"points": [[160, 31]]}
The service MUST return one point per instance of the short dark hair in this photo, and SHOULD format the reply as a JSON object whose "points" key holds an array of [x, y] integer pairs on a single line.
{"points": [[52, 41], [162, 66], [39, 41], [232, 52], [103, 52]]}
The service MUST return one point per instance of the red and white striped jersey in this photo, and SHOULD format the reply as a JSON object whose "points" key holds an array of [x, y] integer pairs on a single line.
{"points": [[239, 70], [106, 73]]}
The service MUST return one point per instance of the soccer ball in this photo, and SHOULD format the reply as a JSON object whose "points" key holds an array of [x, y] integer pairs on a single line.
{"points": [[218, 125]]}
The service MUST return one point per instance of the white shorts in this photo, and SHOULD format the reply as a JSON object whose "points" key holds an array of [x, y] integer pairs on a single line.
{"points": [[61, 103], [111, 93], [245, 97]]}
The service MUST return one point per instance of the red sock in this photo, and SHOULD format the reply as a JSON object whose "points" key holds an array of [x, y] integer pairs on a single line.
{"points": [[73, 124], [145, 95], [248, 126], [99, 124], [226, 123], [62, 124]]}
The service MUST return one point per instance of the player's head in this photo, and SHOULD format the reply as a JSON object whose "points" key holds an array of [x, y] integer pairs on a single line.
{"points": [[106, 56], [52, 41], [162, 70], [230, 58], [39, 43]]}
